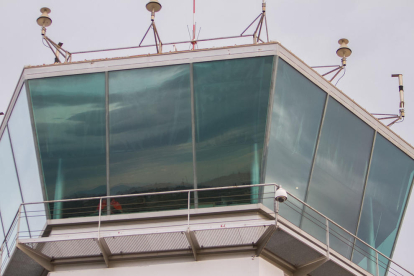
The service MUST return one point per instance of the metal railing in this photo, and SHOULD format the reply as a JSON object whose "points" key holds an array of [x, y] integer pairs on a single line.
{"points": [[294, 210]]}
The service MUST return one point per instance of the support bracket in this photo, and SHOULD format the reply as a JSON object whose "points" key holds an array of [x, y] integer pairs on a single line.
{"points": [[305, 269], [261, 243], [192, 240], [106, 252], [41, 259]]}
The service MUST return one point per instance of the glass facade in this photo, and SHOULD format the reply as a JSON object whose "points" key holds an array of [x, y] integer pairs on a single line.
{"points": [[69, 115], [203, 125], [21, 136], [389, 182], [298, 106], [340, 168], [150, 132], [231, 100]]}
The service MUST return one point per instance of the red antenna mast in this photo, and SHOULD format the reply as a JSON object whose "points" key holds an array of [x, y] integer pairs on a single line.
{"points": [[194, 42]]}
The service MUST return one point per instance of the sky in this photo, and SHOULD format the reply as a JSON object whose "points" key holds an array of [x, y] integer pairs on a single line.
{"points": [[380, 33]]}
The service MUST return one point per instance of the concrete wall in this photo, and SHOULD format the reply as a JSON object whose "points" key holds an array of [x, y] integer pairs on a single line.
{"points": [[223, 265]]}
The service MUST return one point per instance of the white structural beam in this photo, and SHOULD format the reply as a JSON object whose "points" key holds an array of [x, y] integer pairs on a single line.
{"points": [[41, 259], [305, 269], [192, 240]]}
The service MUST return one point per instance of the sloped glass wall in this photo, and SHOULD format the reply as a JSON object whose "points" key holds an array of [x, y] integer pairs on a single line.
{"points": [[390, 178], [69, 115], [298, 106], [21, 136], [231, 100], [150, 135]]}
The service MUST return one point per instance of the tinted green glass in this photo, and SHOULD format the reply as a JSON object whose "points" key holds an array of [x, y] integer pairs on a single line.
{"points": [[21, 136], [150, 131], [296, 116], [231, 100], [340, 170], [69, 114], [10, 197], [389, 182]]}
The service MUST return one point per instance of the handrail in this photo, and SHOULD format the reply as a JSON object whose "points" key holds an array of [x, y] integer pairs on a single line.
{"points": [[188, 191], [353, 235]]}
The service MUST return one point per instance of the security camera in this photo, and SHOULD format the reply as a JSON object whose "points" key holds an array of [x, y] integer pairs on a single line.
{"points": [[281, 195]]}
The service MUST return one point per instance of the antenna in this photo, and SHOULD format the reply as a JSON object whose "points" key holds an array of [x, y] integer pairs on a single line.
{"points": [[45, 21], [343, 52], [258, 30], [193, 41], [401, 115], [154, 6]]}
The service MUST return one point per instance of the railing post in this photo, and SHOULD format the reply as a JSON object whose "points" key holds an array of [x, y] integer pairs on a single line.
{"points": [[189, 206], [18, 222], [276, 205], [377, 266], [99, 220], [327, 237]]}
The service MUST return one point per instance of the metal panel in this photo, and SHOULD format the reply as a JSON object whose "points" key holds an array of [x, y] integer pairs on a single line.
{"points": [[147, 243], [229, 236]]}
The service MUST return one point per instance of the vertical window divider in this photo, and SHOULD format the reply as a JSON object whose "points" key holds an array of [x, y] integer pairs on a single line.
{"points": [[18, 180], [193, 135], [37, 150], [108, 190], [363, 193], [268, 125], [314, 156]]}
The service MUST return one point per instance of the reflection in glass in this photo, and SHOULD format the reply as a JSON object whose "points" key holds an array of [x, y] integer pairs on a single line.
{"points": [[150, 133], [389, 182], [10, 197], [296, 116], [340, 170], [69, 114], [25, 155], [231, 99]]}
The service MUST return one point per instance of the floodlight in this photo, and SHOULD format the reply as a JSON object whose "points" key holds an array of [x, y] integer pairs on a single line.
{"points": [[44, 20]]}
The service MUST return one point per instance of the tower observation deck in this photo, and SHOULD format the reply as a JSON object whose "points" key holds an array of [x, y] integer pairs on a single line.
{"points": [[169, 163]]}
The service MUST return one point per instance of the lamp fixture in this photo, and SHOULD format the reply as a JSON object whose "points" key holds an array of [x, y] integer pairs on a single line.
{"points": [[45, 21], [343, 52], [153, 6]]}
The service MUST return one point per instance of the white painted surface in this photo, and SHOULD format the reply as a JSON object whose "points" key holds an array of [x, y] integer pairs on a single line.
{"points": [[240, 265]]}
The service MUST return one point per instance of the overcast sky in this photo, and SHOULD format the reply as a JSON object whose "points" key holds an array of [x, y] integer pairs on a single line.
{"points": [[380, 33]]}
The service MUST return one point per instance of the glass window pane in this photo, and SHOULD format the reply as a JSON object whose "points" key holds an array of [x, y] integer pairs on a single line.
{"points": [[21, 136], [10, 197], [150, 132], [296, 116], [231, 100], [389, 182], [69, 114], [340, 170]]}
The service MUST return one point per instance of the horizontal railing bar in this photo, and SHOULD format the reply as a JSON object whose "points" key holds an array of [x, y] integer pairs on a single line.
{"points": [[223, 188], [319, 213], [153, 193], [153, 45]]}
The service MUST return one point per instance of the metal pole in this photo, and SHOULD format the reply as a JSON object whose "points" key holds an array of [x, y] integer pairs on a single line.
{"points": [[327, 237], [18, 222], [99, 220], [276, 206], [376, 257], [189, 206]]}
